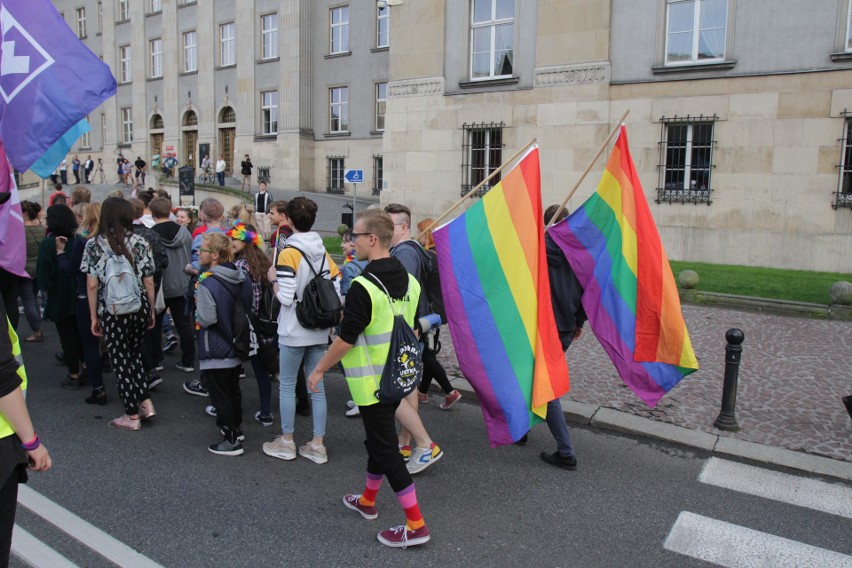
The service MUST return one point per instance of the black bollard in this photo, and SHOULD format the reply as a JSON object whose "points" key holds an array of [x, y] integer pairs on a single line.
{"points": [[727, 420]]}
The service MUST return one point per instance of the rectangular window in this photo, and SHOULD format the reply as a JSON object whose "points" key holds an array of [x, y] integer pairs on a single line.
{"points": [[124, 63], [156, 58], [849, 29], [156, 6], [334, 175], [378, 174], [123, 10], [482, 154], [492, 38], [338, 115], [100, 17], [269, 36], [190, 53], [381, 105], [269, 112], [85, 139], [339, 30], [127, 125], [227, 55], [81, 23], [382, 26], [843, 195], [695, 31], [686, 153]]}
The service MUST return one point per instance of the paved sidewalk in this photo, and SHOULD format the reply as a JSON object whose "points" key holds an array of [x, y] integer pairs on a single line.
{"points": [[793, 375]]}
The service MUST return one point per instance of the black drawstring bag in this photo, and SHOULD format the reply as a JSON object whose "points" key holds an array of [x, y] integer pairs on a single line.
{"points": [[404, 366]]}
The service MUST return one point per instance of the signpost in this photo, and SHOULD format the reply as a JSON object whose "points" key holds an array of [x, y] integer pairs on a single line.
{"points": [[354, 177]]}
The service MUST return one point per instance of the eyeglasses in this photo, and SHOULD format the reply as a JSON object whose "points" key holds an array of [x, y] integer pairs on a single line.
{"points": [[399, 224], [206, 250], [356, 235]]}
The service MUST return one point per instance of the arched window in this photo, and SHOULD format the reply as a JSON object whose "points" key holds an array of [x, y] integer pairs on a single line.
{"points": [[190, 118], [156, 122], [228, 115]]}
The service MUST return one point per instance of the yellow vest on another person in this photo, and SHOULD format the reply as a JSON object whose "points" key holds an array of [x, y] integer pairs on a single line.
{"points": [[5, 427]]}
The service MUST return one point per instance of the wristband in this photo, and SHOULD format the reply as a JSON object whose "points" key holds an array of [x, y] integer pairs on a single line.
{"points": [[32, 444]]}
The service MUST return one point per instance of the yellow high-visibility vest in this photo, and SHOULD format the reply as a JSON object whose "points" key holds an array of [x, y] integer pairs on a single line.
{"points": [[365, 362], [5, 427]]}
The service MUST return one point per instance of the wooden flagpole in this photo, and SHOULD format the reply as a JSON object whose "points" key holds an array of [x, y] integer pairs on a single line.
{"points": [[589, 168], [473, 191]]}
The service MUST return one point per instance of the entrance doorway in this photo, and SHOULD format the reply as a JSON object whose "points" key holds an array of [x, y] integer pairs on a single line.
{"points": [[226, 143]]}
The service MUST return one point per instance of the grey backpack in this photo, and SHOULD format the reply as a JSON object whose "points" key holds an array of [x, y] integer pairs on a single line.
{"points": [[122, 294]]}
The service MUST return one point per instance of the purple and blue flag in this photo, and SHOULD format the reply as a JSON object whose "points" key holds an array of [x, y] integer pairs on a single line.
{"points": [[49, 82]]}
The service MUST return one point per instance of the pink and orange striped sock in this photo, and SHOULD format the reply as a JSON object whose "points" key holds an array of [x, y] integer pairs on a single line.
{"points": [[408, 499], [371, 489]]}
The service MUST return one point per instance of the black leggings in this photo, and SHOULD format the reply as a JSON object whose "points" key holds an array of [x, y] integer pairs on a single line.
{"points": [[382, 445], [432, 369], [124, 335], [71, 342]]}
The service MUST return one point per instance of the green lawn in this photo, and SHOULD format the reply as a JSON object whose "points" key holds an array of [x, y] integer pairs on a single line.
{"points": [[333, 244], [794, 285]]}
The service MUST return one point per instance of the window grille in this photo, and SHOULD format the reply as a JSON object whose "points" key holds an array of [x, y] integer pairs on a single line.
{"points": [[686, 159], [482, 153], [190, 118], [156, 122], [378, 174], [843, 195], [334, 174], [228, 115]]}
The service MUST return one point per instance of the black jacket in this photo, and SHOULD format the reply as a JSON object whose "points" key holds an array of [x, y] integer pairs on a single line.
{"points": [[566, 293]]}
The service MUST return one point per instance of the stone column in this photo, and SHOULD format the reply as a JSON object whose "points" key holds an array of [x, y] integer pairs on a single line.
{"points": [[171, 69]]}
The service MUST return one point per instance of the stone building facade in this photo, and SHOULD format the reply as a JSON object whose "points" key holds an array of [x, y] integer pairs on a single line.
{"points": [[738, 113]]}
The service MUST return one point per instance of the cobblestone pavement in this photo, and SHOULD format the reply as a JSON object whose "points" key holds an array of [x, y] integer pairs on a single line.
{"points": [[793, 375]]}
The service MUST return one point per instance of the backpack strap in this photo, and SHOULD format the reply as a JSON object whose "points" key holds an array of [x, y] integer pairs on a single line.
{"points": [[390, 300], [322, 262]]}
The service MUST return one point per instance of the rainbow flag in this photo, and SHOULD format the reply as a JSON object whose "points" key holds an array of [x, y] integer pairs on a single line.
{"points": [[629, 295], [497, 297]]}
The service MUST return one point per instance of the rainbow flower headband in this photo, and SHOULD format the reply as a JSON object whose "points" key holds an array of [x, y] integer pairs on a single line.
{"points": [[241, 233]]}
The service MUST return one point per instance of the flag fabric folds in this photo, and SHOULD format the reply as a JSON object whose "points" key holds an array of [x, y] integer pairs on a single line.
{"points": [[13, 250], [630, 296], [49, 82], [497, 297]]}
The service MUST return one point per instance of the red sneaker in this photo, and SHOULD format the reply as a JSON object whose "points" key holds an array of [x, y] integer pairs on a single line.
{"points": [[353, 502], [450, 400], [401, 537]]}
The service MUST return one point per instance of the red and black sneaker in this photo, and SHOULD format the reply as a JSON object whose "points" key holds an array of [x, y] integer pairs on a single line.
{"points": [[353, 502], [402, 537]]}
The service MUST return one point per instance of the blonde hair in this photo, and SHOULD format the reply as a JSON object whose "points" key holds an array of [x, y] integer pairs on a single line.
{"points": [[218, 243], [91, 219]]}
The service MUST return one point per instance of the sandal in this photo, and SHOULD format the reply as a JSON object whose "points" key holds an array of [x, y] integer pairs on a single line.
{"points": [[37, 337]]}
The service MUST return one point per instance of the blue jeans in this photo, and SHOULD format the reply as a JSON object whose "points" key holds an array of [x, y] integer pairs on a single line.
{"points": [[559, 428], [221, 177], [290, 359], [29, 293]]}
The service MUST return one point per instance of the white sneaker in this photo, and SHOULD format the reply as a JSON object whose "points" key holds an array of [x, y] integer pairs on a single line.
{"points": [[350, 404], [354, 411], [421, 458], [280, 448], [313, 453]]}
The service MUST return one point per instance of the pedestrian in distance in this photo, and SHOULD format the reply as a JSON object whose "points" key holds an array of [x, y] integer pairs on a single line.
{"points": [[262, 203], [368, 319], [120, 284], [245, 169], [221, 166], [34, 233], [63, 171], [75, 167], [219, 288]]}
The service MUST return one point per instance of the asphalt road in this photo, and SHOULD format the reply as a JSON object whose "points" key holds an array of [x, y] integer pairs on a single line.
{"points": [[160, 492]]}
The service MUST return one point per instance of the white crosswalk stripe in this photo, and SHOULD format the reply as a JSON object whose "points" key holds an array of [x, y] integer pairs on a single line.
{"points": [[113, 550], [818, 495], [35, 553], [735, 546]]}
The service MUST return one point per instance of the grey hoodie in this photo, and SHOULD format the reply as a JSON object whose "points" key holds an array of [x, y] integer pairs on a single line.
{"points": [[178, 246]]}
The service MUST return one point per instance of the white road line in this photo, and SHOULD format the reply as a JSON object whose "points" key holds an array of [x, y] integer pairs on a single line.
{"points": [[830, 498], [735, 546], [88, 534], [35, 553]]}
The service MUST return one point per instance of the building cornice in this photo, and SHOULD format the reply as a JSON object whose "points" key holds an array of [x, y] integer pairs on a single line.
{"points": [[572, 74], [422, 87]]}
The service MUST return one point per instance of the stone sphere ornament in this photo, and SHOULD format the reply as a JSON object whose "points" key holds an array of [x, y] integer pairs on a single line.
{"points": [[688, 279]]}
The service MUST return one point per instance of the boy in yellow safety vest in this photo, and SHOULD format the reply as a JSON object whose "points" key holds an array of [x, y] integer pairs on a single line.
{"points": [[363, 346]]}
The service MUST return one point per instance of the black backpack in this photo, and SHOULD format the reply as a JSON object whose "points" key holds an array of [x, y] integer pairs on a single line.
{"points": [[240, 331], [403, 369], [320, 306], [265, 323]]}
